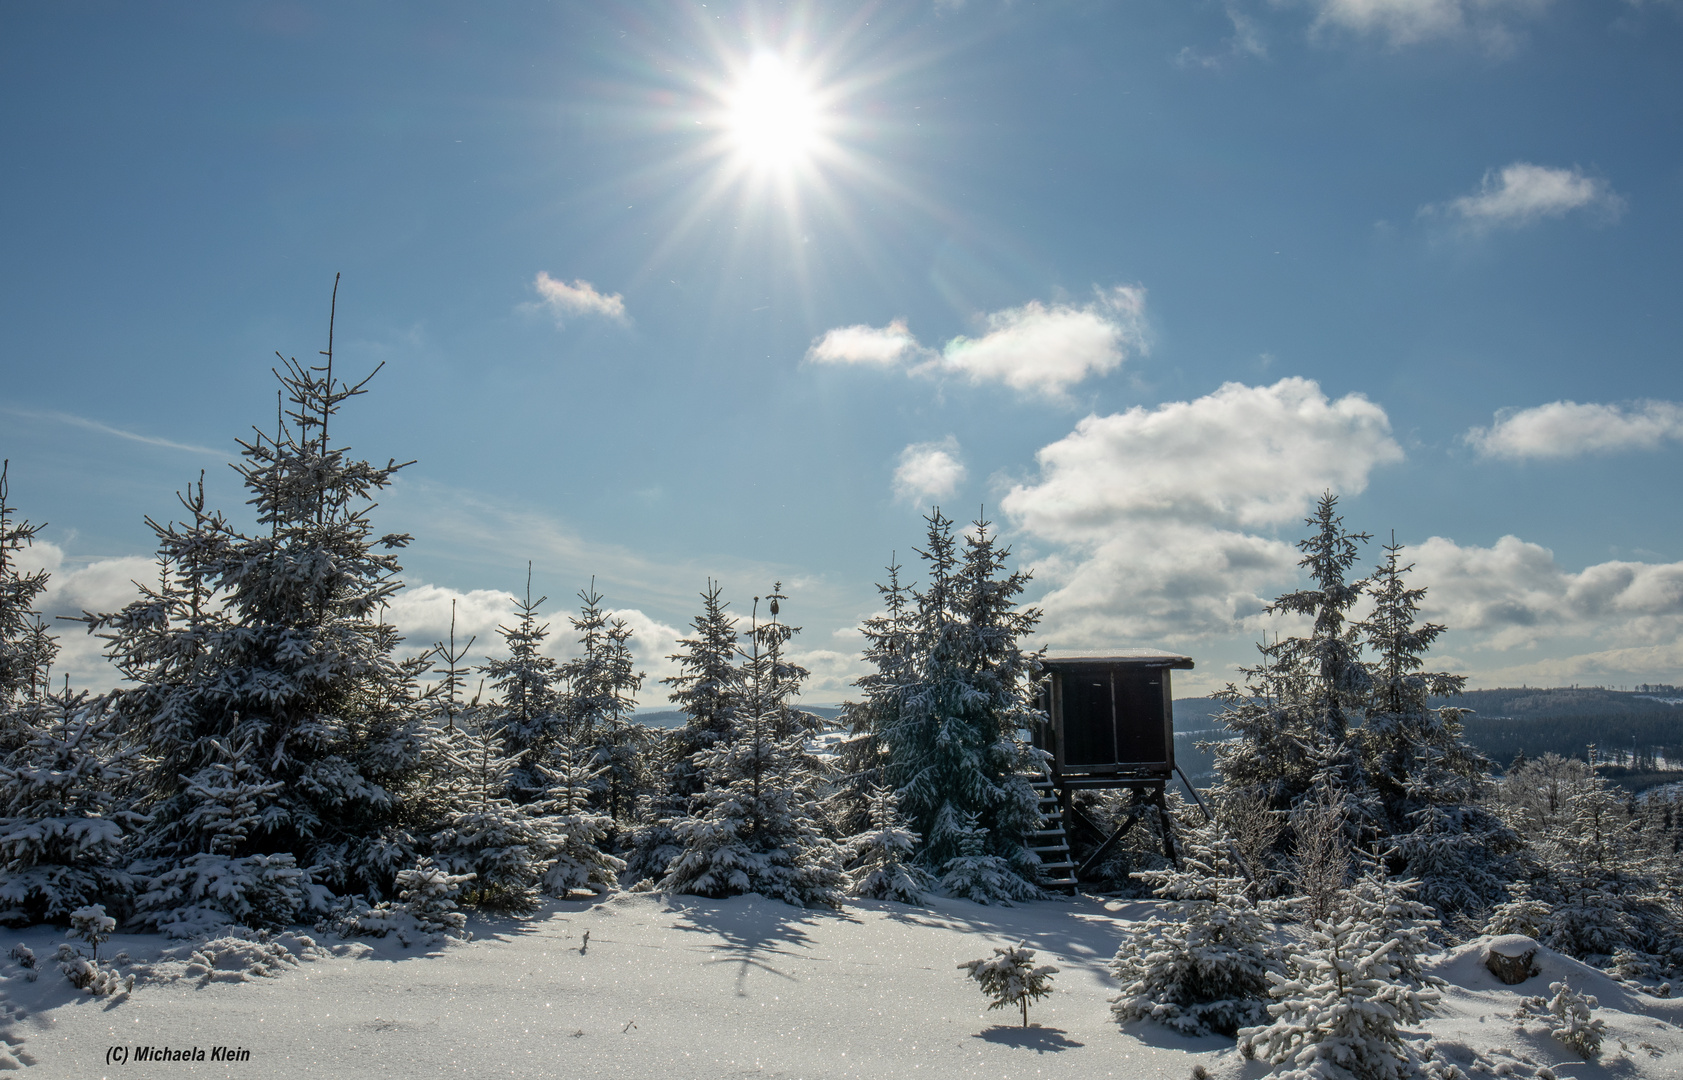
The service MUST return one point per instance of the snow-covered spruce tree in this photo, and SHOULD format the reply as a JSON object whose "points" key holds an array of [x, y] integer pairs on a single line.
{"points": [[951, 751], [880, 866], [1011, 977], [507, 847], [1428, 782], [581, 858], [1202, 963], [192, 874], [26, 649], [708, 691], [274, 643], [64, 816], [1292, 722], [601, 684], [527, 683], [1340, 1006], [976, 875], [752, 829], [859, 755]]}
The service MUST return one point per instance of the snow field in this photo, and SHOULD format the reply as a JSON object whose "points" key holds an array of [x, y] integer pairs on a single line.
{"points": [[685, 987]]}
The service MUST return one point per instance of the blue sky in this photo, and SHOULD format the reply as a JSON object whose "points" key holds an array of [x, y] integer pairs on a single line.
{"points": [[1141, 279]]}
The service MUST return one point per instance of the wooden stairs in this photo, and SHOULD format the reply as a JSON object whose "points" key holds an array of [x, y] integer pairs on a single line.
{"points": [[1051, 840]]}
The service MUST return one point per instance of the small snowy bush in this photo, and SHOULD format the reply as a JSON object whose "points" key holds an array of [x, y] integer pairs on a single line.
{"points": [[92, 925], [1573, 1021], [425, 910], [1521, 913], [1011, 978], [973, 875], [25, 956]]}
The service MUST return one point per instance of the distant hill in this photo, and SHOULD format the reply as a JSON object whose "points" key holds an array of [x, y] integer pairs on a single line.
{"points": [[671, 718], [1639, 732]]}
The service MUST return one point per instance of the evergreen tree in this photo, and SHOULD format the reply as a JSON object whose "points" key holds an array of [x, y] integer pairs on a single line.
{"points": [[1202, 964], [1427, 780], [194, 879], [581, 858], [1011, 977], [601, 686], [880, 857], [528, 687], [26, 649], [952, 753], [753, 829], [506, 847], [888, 649], [275, 643], [64, 817]]}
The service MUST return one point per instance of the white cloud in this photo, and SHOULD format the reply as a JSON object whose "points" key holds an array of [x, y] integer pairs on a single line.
{"points": [[579, 298], [929, 471], [1048, 349], [1038, 348], [1515, 595], [1156, 509], [1411, 22], [106, 429], [1566, 429], [885, 347], [1246, 41], [1522, 193]]}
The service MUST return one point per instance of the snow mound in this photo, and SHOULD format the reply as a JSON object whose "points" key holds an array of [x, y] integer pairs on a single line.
{"points": [[240, 955], [11, 1058], [1464, 967]]}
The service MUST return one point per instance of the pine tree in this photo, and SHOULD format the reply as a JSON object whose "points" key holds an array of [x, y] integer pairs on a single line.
{"points": [[880, 857], [527, 683], [275, 643], [952, 753], [64, 817], [753, 830]]}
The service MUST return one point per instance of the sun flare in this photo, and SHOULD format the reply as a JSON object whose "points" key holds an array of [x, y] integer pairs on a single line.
{"points": [[774, 116]]}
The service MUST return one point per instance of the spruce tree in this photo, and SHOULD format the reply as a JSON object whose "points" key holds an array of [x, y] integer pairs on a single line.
{"points": [[600, 697], [581, 857], [951, 746], [527, 683], [64, 813], [26, 649], [860, 755], [880, 857], [752, 829], [507, 847], [275, 643]]}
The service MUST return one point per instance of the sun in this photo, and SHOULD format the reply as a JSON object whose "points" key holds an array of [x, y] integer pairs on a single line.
{"points": [[773, 115]]}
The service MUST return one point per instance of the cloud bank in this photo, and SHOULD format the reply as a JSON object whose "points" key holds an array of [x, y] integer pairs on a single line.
{"points": [[1399, 23], [1563, 429], [1159, 513], [1037, 348]]}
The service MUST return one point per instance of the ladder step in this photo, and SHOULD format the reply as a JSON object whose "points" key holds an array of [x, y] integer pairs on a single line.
{"points": [[1048, 832], [1049, 847], [1057, 866]]}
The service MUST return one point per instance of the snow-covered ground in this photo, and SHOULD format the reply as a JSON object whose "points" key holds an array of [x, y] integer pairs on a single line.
{"points": [[680, 986]]}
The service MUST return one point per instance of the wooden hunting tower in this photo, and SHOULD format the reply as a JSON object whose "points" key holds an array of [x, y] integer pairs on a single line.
{"points": [[1109, 724]]}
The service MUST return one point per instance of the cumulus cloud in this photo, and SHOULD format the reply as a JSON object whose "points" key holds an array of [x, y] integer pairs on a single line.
{"points": [[1567, 429], [929, 471], [1514, 594], [1522, 194], [1156, 510], [1411, 22], [868, 345], [579, 298], [1037, 348]]}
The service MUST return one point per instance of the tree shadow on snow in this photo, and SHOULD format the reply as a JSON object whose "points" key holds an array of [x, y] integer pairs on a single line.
{"points": [[754, 932], [1079, 932], [1039, 1039]]}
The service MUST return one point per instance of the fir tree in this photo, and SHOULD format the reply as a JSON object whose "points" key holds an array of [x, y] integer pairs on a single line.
{"points": [[753, 830], [952, 753]]}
